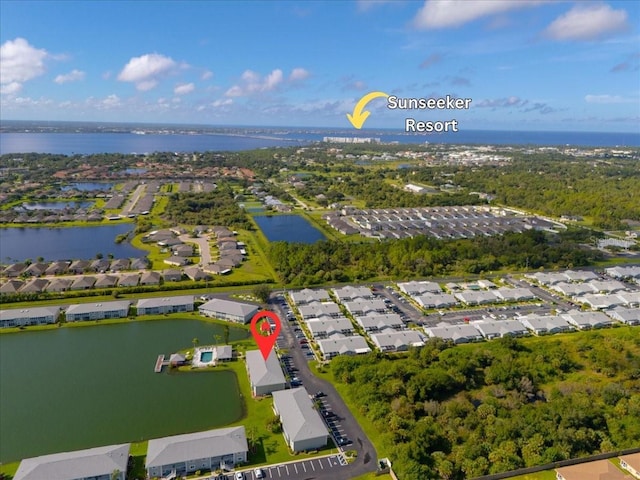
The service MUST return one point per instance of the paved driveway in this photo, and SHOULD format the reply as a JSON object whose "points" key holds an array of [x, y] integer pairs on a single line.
{"points": [[366, 460], [325, 468]]}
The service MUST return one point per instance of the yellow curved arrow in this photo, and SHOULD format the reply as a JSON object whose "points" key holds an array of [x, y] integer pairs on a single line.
{"points": [[359, 115]]}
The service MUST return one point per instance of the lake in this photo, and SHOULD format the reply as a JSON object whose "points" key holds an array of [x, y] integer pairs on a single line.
{"points": [[69, 243], [288, 228], [76, 388]]}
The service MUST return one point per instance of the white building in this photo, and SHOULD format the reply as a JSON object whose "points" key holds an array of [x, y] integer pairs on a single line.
{"points": [[228, 310], [101, 463], [20, 317], [455, 333], [97, 311], [302, 426], [161, 305], [543, 324], [265, 377], [354, 345], [185, 454], [391, 341], [587, 320]]}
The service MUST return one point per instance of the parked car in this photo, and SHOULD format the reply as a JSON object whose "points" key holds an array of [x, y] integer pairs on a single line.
{"points": [[239, 476], [258, 473]]}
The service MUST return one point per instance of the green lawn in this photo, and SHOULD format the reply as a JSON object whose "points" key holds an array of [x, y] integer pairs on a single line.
{"points": [[545, 475]]}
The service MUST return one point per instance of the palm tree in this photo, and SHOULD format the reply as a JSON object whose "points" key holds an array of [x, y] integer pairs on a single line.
{"points": [[217, 338], [195, 342]]}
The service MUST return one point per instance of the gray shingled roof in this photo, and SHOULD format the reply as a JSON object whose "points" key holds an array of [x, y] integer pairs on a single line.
{"points": [[299, 419], [83, 308], [228, 307], [165, 301], [92, 462], [264, 373], [211, 443], [29, 312]]}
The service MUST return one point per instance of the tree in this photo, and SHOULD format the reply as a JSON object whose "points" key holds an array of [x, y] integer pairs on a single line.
{"points": [[226, 332], [262, 293], [195, 342], [217, 337]]}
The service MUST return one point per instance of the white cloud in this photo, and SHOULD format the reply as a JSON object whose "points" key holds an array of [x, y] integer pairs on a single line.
{"points": [[298, 74], [364, 5], [184, 88], [222, 103], [252, 83], [145, 70], [206, 75], [72, 76], [506, 102], [605, 99], [587, 22], [19, 62], [10, 88], [454, 13]]}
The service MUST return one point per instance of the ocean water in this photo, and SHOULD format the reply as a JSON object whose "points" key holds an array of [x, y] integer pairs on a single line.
{"points": [[109, 142]]}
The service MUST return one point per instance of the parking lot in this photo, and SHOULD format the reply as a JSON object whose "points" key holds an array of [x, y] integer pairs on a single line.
{"points": [[333, 421], [323, 467]]}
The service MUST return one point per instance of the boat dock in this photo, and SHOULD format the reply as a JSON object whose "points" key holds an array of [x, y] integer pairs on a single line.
{"points": [[160, 362]]}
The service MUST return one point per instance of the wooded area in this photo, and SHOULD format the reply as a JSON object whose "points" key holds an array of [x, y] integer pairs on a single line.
{"points": [[299, 264], [460, 412]]}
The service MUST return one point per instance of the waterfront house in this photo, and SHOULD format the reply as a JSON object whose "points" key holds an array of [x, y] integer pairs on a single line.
{"points": [[14, 270], [228, 310], [79, 266], [35, 269], [100, 265], [265, 377], [119, 264], [29, 316], [139, 264], [302, 426], [57, 268], [97, 311], [160, 305], [100, 463], [180, 455]]}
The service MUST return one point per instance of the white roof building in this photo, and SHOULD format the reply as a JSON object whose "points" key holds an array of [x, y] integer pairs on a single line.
{"points": [[228, 310], [97, 311], [600, 302], [351, 293], [514, 294], [455, 333], [319, 310], [436, 300], [18, 317], [630, 316], [419, 288], [376, 321], [363, 307], [630, 271], [580, 275], [161, 305], [302, 425], [303, 297], [474, 297], [631, 299], [100, 462], [391, 341], [587, 320], [354, 345], [328, 326], [606, 286], [500, 328], [265, 376], [185, 454], [572, 289], [543, 324]]}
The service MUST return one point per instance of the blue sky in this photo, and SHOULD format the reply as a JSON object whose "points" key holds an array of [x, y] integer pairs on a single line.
{"points": [[526, 64]]}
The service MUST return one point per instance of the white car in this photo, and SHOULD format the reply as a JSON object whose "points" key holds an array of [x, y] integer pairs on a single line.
{"points": [[239, 476], [258, 473]]}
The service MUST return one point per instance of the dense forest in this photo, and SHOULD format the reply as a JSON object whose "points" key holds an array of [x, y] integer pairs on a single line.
{"points": [[217, 207], [299, 264], [460, 412]]}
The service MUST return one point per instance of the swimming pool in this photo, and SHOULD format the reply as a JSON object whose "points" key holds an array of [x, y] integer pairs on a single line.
{"points": [[206, 357]]}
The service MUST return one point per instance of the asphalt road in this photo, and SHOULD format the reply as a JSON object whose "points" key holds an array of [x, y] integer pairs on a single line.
{"points": [[366, 460]]}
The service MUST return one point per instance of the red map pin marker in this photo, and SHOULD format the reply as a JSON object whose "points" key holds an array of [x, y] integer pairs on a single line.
{"points": [[263, 333]]}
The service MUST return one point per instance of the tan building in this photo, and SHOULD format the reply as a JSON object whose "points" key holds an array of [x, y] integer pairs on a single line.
{"points": [[631, 463], [598, 470]]}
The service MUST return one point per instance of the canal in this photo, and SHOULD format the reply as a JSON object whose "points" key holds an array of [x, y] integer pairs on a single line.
{"points": [[75, 388]]}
